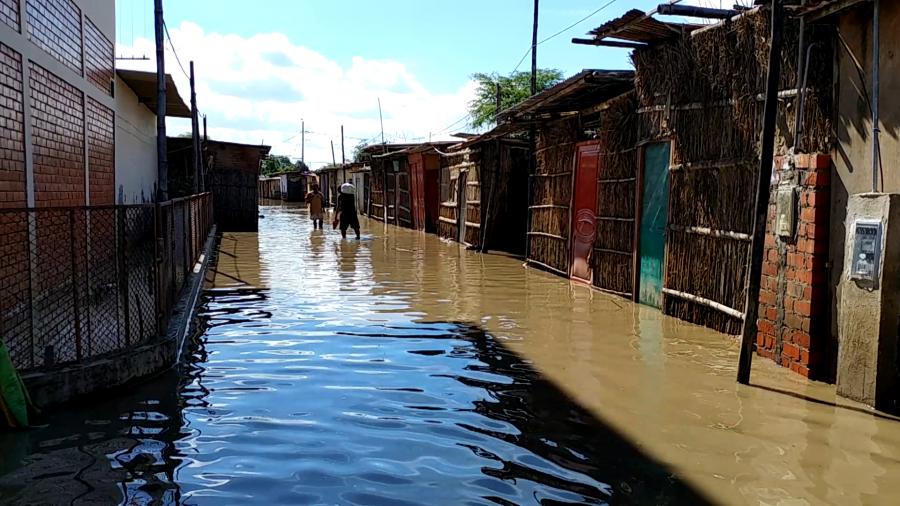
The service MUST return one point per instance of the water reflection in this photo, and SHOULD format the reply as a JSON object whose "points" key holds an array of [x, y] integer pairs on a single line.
{"points": [[328, 373]]}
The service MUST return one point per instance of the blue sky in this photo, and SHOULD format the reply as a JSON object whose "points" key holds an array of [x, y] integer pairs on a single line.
{"points": [[328, 61]]}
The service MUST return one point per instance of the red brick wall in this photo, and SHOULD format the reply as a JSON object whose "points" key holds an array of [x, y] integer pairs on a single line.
{"points": [[12, 138], [99, 58], [9, 13], [55, 27], [794, 328], [58, 137], [101, 153]]}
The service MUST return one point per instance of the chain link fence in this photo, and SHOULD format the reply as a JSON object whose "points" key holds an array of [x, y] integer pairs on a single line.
{"points": [[78, 283]]}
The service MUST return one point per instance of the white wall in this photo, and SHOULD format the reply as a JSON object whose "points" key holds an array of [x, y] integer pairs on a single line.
{"points": [[135, 148]]}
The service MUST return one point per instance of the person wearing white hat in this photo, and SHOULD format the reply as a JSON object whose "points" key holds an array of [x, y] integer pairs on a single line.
{"points": [[346, 209]]}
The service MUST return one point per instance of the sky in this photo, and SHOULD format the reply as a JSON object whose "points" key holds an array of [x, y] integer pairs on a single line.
{"points": [[263, 71]]}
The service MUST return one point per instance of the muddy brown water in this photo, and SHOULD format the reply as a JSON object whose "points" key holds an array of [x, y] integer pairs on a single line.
{"points": [[401, 369]]}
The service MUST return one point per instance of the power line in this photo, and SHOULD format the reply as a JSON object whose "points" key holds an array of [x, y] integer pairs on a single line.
{"points": [[564, 30], [172, 45]]}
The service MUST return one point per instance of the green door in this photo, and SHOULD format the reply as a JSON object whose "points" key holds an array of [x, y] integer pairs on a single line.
{"points": [[654, 214]]}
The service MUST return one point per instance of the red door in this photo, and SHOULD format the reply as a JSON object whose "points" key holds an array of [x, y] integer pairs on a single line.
{"points": [[584, 209], [417, 190]]}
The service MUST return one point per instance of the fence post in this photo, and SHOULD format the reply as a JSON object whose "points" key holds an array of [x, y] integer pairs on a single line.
{"points": [[157, 289], [123, 273], [77, 320]]}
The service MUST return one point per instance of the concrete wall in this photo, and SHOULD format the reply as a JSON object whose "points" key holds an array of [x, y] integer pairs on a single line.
{"points": [[135, 148], [61, 57], [853, 152]]}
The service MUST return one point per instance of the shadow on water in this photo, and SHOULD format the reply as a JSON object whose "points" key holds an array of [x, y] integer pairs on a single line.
{"points": [[527, 442]]}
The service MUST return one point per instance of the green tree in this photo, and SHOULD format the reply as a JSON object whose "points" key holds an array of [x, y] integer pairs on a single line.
{"points": [[514, 88], [358, 154], [274, 164]]}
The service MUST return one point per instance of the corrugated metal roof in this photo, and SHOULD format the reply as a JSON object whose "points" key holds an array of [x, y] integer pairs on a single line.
{"points": [[587, 88], [639, 26]]}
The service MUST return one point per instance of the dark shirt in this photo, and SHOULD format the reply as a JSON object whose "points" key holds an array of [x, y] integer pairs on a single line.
{"points": [[346, 204]]}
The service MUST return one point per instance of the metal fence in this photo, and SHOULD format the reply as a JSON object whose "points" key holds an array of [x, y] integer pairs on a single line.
{"points": [[81, 282]]}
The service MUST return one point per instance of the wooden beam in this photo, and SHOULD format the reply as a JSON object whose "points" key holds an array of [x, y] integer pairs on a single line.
{"points": [[695, 12], [704, 302], [608, 43]]}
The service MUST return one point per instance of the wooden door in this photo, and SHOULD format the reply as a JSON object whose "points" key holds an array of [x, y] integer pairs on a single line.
{"points": [[584, 209], [461, 198], [417, 190], [654, 217]]}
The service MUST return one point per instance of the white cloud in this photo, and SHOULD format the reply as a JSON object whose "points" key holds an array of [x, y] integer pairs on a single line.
{"points": [[259, 88]]}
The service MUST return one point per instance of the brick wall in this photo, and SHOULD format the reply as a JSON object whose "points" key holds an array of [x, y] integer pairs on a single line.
{"points": [[12, 138], [99, 58], [794, 328], [58, 138], [55, 27], [9, 13], [101, 153]]}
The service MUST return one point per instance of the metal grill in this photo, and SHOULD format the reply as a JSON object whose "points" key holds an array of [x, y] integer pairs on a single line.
{"points": [[81, 282]]}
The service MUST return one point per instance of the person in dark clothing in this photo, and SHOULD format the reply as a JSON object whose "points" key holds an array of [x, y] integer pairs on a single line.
{"points": [[346, 208]]}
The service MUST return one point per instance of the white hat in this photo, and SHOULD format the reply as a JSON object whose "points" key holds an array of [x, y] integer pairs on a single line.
{"points": [[348, 188]]}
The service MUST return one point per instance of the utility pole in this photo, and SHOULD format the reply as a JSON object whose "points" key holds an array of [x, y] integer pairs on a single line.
{"points": [[162, 159], [195, 132], [343, 157], [381, 119], [333, 161], [534, 44], [303, 142], [766, 159], [205, 138]]}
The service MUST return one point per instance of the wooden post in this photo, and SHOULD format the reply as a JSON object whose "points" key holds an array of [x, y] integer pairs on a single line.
{"points": [[205, 138], [766, 159], [195, 132], [162, 160], [333, 161], [343, 156], [534, 42]]}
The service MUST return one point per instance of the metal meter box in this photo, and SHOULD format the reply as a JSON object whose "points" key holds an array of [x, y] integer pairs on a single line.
{"points": [[867, 246], [785, 205]]}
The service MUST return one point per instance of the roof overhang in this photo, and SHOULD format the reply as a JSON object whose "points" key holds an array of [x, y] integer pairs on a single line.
{"points": [[634, 30], [817, 10], [144, 86], [261, 147], [582, 91]]}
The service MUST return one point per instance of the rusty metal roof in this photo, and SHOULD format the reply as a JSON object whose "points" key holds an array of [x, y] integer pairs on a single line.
{"points": [[640, 27], [587, 88]]}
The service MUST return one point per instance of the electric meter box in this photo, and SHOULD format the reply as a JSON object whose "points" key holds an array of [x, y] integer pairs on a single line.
{"points": [[867, 247]]}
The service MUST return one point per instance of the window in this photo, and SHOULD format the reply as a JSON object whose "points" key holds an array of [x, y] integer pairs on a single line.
{"points": [[445, 184]]}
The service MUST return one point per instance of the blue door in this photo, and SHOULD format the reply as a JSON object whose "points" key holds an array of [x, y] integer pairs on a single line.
{"points": [[654, 215]]}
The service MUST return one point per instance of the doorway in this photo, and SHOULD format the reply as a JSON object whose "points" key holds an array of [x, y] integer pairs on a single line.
{"points": [[654, 217], [461, 198], [584, 209]]}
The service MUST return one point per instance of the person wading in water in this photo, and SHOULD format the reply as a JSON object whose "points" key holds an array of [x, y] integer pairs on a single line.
{"points": [[316, 202], [346, 209]]}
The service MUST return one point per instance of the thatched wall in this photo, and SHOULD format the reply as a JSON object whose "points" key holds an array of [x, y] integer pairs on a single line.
{"points": [[551, 194], [704, 92], [449, 210], [613, 259]]}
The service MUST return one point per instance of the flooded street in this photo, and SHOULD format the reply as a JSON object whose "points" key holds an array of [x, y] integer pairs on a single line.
{"points": [[405, 370]]}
